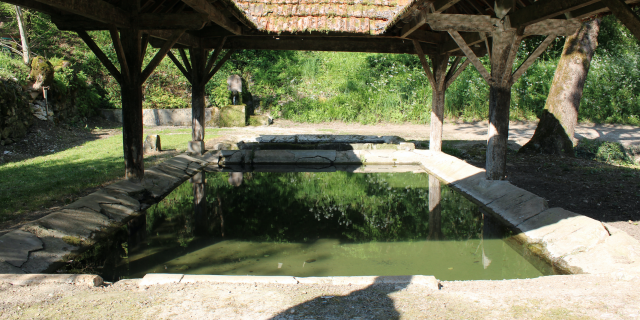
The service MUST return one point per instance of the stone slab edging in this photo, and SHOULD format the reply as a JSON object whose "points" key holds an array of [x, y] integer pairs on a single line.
{"points": [[571, 242], [43, 245], [150, 279], [32, 279]]}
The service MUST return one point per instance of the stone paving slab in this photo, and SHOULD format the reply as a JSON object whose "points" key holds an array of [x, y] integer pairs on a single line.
{"points": [[16, 245], [195, 278], [572, 242], [32, 279], [6, 268], [56, 252]]}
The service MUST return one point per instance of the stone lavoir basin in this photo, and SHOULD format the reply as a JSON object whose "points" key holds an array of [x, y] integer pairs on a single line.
{"points": [[353, 221]]}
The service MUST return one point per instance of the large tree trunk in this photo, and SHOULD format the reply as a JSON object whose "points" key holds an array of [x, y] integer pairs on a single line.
{"points": [[555, 131], [26, 54]]}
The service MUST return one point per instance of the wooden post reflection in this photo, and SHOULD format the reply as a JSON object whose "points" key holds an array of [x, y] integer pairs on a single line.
{"points": [[199, 202], [435, 229]]}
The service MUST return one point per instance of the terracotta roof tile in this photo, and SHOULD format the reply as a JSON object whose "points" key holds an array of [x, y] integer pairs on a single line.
{"points": [[353, 16]]}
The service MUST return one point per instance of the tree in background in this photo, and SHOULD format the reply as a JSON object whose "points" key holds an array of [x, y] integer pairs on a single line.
{"points": [[26, 54], [555, 131]]}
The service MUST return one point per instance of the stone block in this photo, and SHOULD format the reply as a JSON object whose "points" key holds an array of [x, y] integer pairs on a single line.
{"points": [[230, 157], [6, 268], [152, 143], [36, 279], [80, 223], [347, 157], [189, 278], [517, 206], [260, 120], [294, 157], [56, 249], [563, 233], [16, 245], [619, 253], [196, 147], [159, 278], [233, 116]]}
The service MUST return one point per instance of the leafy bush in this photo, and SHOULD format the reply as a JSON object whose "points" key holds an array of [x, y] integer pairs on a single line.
{"points": [[604, 151]]}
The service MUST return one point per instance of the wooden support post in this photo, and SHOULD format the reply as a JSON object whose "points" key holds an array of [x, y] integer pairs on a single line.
{"points": [[435, 209], [132, 129], [198, 72], [440, 80], [505, 47]]}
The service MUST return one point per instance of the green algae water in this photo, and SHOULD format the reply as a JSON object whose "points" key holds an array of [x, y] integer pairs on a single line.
{"points": [[313, 224]]}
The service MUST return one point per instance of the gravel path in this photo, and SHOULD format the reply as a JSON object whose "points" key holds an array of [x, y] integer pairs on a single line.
{"points": [[553, 297]]}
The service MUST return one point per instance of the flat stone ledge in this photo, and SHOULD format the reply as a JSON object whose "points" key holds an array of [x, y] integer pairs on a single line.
{"points": [[194, 278], [429, 282], [32, 279], [160, 278], [16, 245]]}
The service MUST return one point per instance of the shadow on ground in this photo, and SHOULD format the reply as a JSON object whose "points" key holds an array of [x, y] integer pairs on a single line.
{"points": [[372, 302]]}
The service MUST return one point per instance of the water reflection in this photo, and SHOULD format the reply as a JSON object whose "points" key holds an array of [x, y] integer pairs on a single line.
{"points": [[315, 224]]}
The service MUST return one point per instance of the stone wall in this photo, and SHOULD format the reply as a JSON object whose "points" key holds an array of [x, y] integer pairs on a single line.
{"points": [[166, 117], [15, 114]]}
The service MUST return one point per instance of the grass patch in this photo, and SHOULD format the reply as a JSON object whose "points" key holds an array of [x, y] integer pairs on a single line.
{"points": [[44, 181], [604, 151]]}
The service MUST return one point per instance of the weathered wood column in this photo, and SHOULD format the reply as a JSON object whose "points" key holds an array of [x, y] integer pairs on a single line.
{"points": [[440, 80], [130, 49], [199, 70], [435, 209], [505, 44]]}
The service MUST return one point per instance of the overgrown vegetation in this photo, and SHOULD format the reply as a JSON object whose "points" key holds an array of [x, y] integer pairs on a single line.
{"points": [[604, 151], [352, 87]]}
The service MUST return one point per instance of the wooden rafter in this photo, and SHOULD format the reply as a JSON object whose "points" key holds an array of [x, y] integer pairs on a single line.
{"points": [[144, 44], [179, 65], [117, 45], [417, 22], [531, 58], [97, 10], [186, 39], [451, 78], [214, 56], [629, 18], [160, 55], [100, 55], [545, 9], [219, 64], [553, 26], [190, 21], [185, 60], [425, 64], [470, 38], [360, 44], [471, 56], [214, 15]]}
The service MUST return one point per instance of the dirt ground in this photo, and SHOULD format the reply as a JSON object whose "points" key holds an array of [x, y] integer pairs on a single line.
{"points": [[601, 191], [552, 297]]}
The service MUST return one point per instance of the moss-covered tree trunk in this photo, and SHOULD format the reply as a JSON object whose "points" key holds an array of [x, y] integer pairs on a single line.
{"points": [[555, 131]]}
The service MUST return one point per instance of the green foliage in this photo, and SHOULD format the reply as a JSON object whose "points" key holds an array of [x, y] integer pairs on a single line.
{"points": [[354, 207], [604, 151]]}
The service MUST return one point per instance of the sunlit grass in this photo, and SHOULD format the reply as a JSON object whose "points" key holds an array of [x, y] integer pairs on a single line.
{"points": [[46, 180]]}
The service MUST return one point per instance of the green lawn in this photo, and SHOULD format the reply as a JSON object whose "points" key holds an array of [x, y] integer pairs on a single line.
{"points": [[44, 181]]}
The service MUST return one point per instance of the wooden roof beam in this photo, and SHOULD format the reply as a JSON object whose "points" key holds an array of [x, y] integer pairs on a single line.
{"points": [[93, 9], [164, 21], [35, 5], [380, 45], [629, 18], [185, 40], [203, 6], [590, 10], [438, 6], [545, 9]]}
